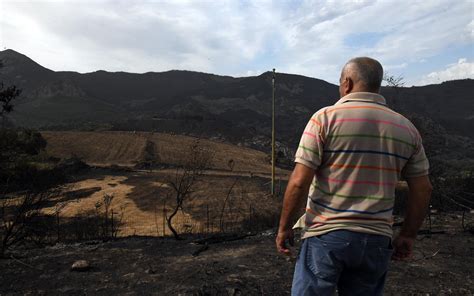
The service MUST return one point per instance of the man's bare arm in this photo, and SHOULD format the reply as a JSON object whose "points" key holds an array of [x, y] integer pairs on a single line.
{"points": [[295, 197], [418, 201]]}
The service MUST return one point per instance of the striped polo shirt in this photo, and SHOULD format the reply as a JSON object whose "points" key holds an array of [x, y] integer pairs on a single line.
{"points": [[359, 149]]}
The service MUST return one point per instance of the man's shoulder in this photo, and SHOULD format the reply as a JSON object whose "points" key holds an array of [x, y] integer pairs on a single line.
{"points": [[322, 111]]}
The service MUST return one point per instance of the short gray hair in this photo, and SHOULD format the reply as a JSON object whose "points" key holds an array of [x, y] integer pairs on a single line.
{"points": [[369, 72]]}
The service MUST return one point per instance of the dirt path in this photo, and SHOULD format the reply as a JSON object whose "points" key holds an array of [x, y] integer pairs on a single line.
{"points": [[280, 175]]}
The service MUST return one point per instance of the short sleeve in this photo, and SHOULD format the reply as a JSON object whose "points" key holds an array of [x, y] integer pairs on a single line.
{"points": [[418, 164], [310, 148]]}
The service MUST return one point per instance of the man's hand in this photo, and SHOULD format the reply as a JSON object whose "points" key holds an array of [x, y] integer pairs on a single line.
{"points": [[403, 247], [281, 238], [418, 200], [295, 196]]}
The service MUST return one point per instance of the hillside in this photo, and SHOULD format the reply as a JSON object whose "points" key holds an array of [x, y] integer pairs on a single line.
{"points": [[233, 109], [164, 150]]}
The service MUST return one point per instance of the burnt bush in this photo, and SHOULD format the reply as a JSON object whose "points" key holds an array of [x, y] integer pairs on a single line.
{"points": [[23, 223], [21, 164], [260, 220], [20, 218], [93, 224], [451, 192], [72, 165]]}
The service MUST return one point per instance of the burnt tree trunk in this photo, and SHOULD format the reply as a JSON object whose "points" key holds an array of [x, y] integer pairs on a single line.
{"points": [[170, 225]]}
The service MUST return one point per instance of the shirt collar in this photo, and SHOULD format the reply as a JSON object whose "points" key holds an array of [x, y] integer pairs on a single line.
{"points": [[363, 97]]}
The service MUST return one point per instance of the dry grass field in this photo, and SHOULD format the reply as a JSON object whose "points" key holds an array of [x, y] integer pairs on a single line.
{"points": [[129, 148], [96, 148], [142, 197]]}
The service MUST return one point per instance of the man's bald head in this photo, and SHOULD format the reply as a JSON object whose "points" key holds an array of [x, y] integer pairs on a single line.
{"points": [[365, 74]]}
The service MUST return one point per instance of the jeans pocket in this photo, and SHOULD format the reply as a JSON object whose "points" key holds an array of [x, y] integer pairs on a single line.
{"points": [[324, 257]]}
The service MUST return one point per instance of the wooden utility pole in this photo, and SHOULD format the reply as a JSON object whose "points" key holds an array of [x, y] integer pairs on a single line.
{"points": [[273, 133]]}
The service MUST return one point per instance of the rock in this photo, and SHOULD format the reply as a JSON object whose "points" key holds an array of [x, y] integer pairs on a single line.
{"points": [[268, 232], [80, 265], [233, 292], [129, 276]]}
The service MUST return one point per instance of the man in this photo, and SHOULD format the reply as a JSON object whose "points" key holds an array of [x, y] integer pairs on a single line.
{"points": [[349, 160]]}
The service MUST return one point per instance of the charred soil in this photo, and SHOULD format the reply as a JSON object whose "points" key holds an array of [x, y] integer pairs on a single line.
{"points": [[441, 265]]}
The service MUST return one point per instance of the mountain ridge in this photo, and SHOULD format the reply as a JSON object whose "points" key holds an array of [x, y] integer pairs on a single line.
{"points": [[237, 109]]}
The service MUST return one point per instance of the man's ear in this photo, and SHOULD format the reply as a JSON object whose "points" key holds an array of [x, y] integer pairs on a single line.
{"points": [[348, 85]]}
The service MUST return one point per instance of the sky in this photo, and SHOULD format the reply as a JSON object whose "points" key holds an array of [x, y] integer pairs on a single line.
{"points": [[424, 42]]}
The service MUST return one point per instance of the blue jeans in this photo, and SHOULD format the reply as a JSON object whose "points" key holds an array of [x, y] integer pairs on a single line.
{"points": [[356, 263]]}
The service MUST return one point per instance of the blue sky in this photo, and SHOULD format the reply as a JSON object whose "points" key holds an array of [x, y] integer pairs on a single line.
{"points": [[426, 41]]}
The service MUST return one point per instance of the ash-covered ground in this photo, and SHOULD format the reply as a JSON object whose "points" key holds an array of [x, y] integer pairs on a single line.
{"points": [[443, 264]]}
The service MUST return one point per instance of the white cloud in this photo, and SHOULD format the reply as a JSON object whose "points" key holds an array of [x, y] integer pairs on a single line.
{"points": [[469, 32], [395, 67], [233, 37], [410, 33], [460, 70], [138, 37]]}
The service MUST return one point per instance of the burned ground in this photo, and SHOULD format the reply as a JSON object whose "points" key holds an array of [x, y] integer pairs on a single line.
{"points": [[441, 265]]}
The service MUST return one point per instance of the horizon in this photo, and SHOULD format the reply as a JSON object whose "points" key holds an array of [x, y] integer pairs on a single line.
{"points": [[425, 43], [207, 73]]}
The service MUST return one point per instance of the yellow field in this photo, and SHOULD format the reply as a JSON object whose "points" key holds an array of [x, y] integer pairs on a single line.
{"points": [[142, 196], [128, 148]]}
